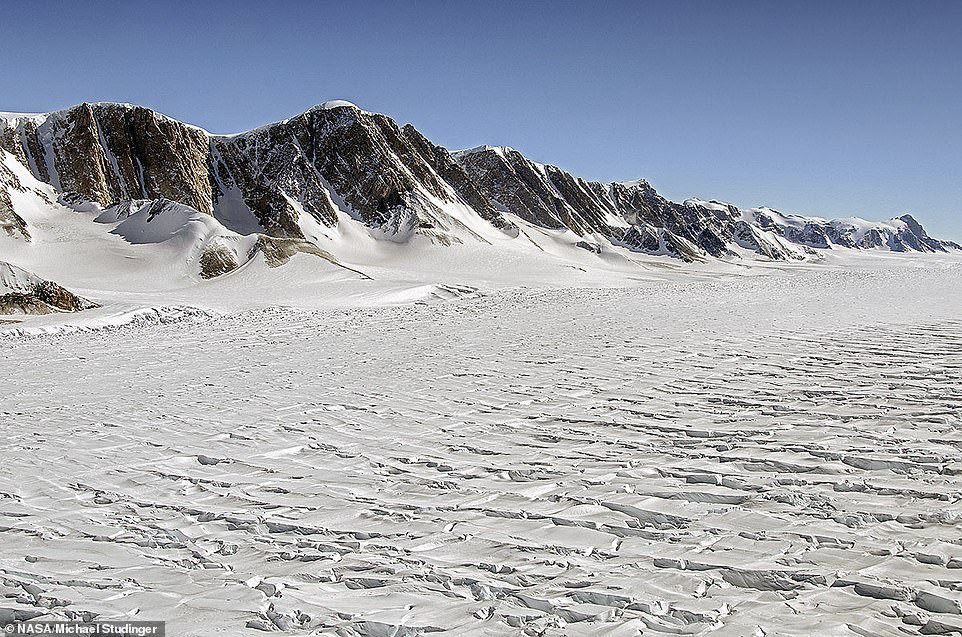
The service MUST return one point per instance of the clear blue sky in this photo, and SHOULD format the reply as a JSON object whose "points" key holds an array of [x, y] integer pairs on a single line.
{"points": [[824, 108]]}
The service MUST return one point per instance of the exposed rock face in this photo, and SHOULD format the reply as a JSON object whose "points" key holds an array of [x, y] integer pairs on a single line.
{"points": [[10, 222], [535, 192], [812, 235], [914, 237], [632, 215], [762, 242], [277, 252], [24, 293], [635, 216], [216, 260], [390, 179], [294, 178], [111, 152], [447, 167], [707, 228]]}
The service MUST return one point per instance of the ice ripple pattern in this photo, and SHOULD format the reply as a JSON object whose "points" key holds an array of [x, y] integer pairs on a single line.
{"points": [[522, 463]]}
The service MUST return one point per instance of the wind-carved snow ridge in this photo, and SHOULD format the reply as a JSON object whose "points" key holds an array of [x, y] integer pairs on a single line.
{"points": [[110, 321]]}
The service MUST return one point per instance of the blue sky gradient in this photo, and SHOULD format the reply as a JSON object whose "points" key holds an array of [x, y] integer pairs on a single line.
{"points": [[824, 108]]}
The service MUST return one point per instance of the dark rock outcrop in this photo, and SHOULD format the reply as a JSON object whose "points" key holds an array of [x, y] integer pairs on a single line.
{"points": [[549, 197], [24, 293], [112, 152], [534, 192], [916, 238], [10, 222]]}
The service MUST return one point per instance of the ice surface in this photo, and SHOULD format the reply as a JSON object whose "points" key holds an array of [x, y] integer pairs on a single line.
{"points": [[776, 454]]}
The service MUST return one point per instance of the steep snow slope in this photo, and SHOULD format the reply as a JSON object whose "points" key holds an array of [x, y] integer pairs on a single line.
{"points": [[14, 279], [207, 246], [135, 251]]}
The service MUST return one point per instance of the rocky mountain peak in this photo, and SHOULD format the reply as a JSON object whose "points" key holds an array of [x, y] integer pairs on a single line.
{"points": [[302, 176]]}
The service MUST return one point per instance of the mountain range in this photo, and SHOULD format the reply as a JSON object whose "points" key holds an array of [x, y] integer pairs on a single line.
{"points": [[304, 184]]}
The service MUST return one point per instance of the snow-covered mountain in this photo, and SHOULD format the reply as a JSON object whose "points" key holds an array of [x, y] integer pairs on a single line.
{"points": [[22, 292], [288, 179], [634, 215], [317, 182]]}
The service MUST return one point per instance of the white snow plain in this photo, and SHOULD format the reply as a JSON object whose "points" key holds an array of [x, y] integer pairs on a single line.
{"points": [[713, 453]]}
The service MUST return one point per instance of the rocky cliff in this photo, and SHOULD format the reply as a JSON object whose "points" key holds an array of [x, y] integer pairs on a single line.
{"points": [[634, 215], [280, 177], [294, 178]]}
